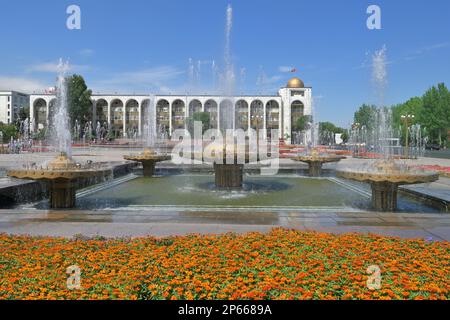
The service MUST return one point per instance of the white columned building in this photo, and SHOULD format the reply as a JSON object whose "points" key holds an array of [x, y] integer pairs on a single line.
{"points": [[11, 102], [125, 114]]}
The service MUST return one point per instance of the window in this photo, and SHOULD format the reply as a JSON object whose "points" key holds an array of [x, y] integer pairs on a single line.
{"points": [[297, 93]]}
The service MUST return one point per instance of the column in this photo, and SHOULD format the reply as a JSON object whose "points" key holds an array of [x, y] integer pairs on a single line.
{"points": [[124, 121], [47, 106], [280, 119], [233, 109], [32, 120], [218, 116], [249, 118], [264, 120], [186, 113], [140, 116], [170, 117], [94, 113], [287, 122], [109, 115]]}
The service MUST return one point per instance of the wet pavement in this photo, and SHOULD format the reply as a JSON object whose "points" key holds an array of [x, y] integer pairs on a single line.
{"points": [[152, 222]]}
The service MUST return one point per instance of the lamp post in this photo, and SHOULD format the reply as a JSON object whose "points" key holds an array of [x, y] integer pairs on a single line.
{"points": [[407, 119]]}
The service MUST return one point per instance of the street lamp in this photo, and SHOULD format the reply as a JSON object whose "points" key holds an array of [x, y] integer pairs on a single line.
{"points": [[356, 125], [407, 119]]}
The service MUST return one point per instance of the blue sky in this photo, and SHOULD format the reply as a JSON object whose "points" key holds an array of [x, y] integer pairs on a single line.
{"points": [[144, 46]]}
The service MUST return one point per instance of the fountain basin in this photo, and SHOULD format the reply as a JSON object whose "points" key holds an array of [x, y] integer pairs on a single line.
{"points": [[384, 177], [187, 193]]}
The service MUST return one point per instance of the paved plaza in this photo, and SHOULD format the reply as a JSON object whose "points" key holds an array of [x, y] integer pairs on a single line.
{"points": [[180, 221]]}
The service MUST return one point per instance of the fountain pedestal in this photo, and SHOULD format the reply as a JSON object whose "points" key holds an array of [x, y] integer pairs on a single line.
{"points": [[384, 196], [228, 176], [149, 167], [62, 194], [315, 169]]}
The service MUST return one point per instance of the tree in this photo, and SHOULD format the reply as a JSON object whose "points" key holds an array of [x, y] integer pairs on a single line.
{"points": [[8, 131], [435, 115], [303, 123], [327, 132], [345, 136], [413, 106], [366, 116], [24, 113], [79, 100]]}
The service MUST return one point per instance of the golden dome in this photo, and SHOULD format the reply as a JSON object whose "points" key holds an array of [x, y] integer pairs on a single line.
{"points": [[295, 83]]}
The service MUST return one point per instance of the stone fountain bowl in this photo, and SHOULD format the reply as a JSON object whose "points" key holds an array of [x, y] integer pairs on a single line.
{"points": [[388, 171], [235, 154], [317, 158], [62, 168], [148, 155]]}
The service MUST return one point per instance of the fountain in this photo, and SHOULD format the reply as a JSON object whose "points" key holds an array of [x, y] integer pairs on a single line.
{"points": [[312, 155], [229, 172], [149, 157], [385, 175], [315, 160], [62, 174]]}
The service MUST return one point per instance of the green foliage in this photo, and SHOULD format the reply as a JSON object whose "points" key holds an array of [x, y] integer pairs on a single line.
{"points": [[345, 136], [203, 117], [40, 134], [79, 100], [431, 111], [8, 130], [110, 135], [328, 130], [435, 115], [302, 123], [24, 113], [330, 127], [414, 107], [366, 116]]}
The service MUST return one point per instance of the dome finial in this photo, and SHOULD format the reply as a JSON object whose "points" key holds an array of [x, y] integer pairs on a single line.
{"points": [[295, 83]]}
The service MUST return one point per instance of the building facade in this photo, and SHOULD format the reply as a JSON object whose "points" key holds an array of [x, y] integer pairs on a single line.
{"points": [[11, 102], [125, 114]]}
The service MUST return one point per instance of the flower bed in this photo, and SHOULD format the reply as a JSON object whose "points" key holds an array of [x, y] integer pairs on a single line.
{"points": [[282, 264]]}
